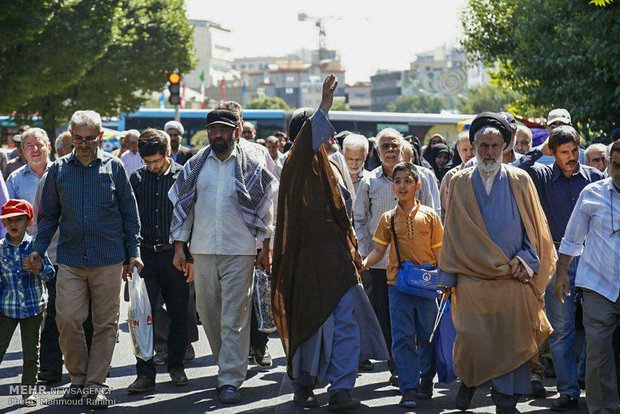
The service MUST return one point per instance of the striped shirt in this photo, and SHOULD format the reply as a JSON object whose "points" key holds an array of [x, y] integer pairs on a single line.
{"points": [[154, 206], [22, 294], [95, 208]]}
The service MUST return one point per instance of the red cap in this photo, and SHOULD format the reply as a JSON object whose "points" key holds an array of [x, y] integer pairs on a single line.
{"points": [[16, 207]]}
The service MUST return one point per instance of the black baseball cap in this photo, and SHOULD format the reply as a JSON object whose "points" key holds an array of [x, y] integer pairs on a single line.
{"points": [[222, 117]]}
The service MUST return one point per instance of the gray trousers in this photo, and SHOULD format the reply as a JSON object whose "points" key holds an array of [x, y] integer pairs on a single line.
{"points": [[600, 319], [224, 302]]}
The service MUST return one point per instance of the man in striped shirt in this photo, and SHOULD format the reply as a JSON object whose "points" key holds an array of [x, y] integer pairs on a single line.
{"points": [[151, 184]]}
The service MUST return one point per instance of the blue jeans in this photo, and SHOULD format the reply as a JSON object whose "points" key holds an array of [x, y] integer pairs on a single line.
{"points": [[562, 340], [412, 320]]}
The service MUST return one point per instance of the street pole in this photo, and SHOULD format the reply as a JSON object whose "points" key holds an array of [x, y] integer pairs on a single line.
{"points": [[177, 114]]}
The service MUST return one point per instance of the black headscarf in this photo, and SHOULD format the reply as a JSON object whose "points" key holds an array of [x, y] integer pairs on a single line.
{"points": [[419, 160], [435, 151]]}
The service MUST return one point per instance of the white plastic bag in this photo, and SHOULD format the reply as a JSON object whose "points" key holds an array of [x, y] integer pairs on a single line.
{"points": [[140, 318]]}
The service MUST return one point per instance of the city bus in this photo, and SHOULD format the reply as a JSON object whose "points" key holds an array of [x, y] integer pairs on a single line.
{"points": [[422, 126], [268, 121]]}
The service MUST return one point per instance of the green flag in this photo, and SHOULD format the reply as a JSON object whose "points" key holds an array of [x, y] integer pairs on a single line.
{"points": [[202, 76]]}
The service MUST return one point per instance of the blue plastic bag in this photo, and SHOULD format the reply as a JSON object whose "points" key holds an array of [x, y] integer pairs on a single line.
{"points": [[444, 345]]}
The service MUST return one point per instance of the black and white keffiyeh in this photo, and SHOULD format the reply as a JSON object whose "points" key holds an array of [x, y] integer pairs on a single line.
{"points": [[255, 187]]}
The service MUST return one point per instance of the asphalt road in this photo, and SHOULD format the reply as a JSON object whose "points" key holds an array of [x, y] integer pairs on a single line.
{"points": [[267, 391]]}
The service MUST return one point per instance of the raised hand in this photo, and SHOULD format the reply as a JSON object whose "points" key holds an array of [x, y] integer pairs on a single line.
{"points": [[329, 87]]}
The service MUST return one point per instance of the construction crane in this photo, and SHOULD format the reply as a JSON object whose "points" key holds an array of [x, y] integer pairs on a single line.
{"points": [[319, 23]]}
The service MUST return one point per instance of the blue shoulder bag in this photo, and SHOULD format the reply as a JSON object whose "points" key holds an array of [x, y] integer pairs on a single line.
{"points": [[415, 280]]}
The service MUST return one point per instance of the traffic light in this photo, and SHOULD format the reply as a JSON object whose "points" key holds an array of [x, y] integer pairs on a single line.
{"points": [[174, 86]]}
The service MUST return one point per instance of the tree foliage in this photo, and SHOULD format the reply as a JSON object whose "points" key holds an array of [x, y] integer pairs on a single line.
{"points": [[488, 97], [419, 103], [104, 55], [340, 105], [268, 103], [557, 53]]}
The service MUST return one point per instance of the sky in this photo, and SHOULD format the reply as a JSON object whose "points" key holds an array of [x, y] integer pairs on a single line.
{"points": [[370, 35]]}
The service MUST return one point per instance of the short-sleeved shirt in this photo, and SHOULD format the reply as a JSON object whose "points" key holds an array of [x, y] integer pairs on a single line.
{"points": [[418, 234]]}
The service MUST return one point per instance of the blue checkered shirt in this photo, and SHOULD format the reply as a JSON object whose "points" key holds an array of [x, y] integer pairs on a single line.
{"points": [[22, 294], [95, 208]]}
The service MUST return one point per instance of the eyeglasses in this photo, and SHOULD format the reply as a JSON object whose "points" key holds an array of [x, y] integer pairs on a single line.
{"points": [[613, 230], [87, 140], [154, 161], [390, 145]]}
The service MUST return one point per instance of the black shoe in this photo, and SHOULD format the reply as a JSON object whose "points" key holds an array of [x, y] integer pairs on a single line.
{"points": [[160, 358], [506, 410], [342, 401], [190, 354], [96, 399], [538, 390], [305, 398], [228, 394], [367, 366], [464, 397], [141, 384], [29, 399], [408, 399], [393, 380], [178, 377], [565, 403], [49, 377], [425, 390], [73, 392], [262, 358]]}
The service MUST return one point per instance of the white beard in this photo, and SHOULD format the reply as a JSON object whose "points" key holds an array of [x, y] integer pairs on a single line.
{"points": [[488, 168]]}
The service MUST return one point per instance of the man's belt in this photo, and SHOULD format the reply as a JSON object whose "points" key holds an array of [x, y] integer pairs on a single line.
{"points": [[157, 247]]}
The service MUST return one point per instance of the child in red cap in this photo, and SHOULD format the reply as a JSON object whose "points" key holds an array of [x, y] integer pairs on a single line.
{"points": [[23, 296]]}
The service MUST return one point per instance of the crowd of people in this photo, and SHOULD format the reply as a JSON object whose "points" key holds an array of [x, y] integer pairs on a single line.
{"points": [[519, 245]]}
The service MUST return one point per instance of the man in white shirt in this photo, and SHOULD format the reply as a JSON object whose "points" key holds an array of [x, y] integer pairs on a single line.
{"points": [[223, 199], [131, 158]]}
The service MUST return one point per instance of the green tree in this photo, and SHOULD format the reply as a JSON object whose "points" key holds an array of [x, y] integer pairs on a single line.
{"points": [[419, 103], [486, 98], [340, 105], [556, 53], [105, 55], [268, 103]]}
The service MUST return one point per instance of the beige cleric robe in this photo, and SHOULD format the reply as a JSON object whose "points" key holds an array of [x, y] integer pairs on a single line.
{"points": [[500, 322]]}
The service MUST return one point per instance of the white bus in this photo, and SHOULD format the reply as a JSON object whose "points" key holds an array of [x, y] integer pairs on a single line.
{"points": [[422, 126]]}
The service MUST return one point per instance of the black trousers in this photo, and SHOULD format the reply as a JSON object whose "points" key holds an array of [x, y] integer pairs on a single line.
{"points": [[378, 294], [162, 278], [51, 355], [161, 324], [258, 339]]}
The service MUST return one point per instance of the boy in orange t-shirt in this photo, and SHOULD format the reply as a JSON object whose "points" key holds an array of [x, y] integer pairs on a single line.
{"points": [[419, 233]]}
